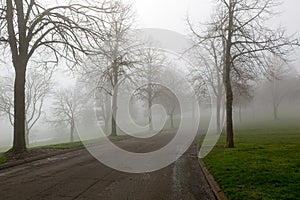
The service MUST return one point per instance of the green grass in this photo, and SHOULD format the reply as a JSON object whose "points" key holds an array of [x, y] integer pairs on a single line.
{"points": [[2, 158], [69, 145], [77, 144], [264, 165]]}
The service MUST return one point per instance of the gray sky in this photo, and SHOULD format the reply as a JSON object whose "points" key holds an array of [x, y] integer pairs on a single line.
{"points": [[171, 14]]}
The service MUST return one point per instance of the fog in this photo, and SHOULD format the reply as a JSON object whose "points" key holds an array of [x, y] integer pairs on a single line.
{"points": [[268, 98], [284, 95]]}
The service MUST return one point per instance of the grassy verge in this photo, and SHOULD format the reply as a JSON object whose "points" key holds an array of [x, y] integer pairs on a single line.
{"points": [[77, 144], [2, 158], [264, 165], [69, 145]]}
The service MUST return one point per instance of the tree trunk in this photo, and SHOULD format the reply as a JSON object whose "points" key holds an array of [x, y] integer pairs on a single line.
{"points": [[18, 49], [193, 110], [149, 92], [240, 113], [229, 121], [114, 112], [27, 134], [218, 114], [106, 125], [150, 116], [72, 128], [275, 112], [227, 81], [253, 110], [115, 98], [19, 143], [223, 116], [172, 120], [108, 114]]}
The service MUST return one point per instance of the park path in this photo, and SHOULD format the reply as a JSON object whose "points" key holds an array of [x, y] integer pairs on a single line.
{"points": [[77, 175]]}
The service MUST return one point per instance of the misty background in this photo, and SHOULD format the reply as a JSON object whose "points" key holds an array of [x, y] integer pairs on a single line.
{"points": [[269, 98]]}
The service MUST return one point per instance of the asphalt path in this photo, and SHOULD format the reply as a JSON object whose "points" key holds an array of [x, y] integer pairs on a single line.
{"points": [[78, 175]]}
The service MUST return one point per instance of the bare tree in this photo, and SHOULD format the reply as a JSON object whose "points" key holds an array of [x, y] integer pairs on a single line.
{"points": [[30, 29], [37, 87], [169, 101], [207, 74], [153, 63], [111, 67], [279, 73], [6, 97], [67, 107], [241, 24], [103, 108], [243, 95], [208, 61], [171, 79]]}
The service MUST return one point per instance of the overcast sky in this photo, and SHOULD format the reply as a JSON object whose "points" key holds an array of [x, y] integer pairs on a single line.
{"points": [[171, 14]]}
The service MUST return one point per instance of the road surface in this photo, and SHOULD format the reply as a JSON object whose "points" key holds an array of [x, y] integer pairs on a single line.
{"points": [[77, 175]]}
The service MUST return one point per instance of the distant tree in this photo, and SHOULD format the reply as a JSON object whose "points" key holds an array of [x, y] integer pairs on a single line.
{"points": [[170, 102], [111, 67], [172, 85], [278, 82], [103, 108], [37, 87], [294, 82], [6, 97], [67, 106], [207, 73], [243, 95], [150, 72]]}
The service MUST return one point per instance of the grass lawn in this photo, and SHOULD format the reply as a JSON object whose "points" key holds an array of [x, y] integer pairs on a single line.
{"points": [[264, 165], [62, 145], [69, 145], [2, 158]]}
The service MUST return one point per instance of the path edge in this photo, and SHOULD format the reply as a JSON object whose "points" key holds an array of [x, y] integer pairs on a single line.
{"points": [[218, 192], [36, 158]]}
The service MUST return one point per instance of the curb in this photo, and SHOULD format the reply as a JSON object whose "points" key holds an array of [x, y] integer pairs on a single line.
{"points": [[218, 192], [36, 158]]}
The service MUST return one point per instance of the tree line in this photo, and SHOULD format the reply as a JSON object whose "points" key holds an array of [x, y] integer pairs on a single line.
{"points": [[231, 51], [95, 40]]}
